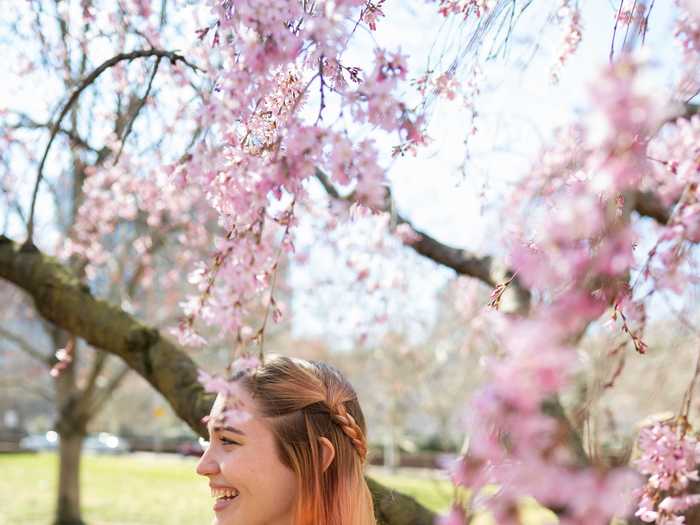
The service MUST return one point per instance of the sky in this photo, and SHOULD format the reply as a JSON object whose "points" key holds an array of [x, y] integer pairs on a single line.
{"points": [[519, 109]]}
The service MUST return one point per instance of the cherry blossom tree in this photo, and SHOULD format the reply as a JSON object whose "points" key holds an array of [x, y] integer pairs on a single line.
{"points": [[232, 117]]}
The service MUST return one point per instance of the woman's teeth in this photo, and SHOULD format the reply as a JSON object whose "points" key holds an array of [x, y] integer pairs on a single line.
{"points": [[224, 493]]}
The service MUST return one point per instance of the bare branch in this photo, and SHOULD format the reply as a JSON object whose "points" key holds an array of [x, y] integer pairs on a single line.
{"points": [[690, 109], [26, 122], [87, 81], [104, 394], [98, 365], [24, 386], [328, 186], [461, 261], [26, 347], [136, 112]]}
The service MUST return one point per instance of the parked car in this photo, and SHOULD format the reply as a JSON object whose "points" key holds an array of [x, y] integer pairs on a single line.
{"points": [[190, 448], [105, 443], [39, 442]]}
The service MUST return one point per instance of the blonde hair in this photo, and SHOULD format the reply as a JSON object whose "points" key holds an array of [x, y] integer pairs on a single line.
{"points": [[303, 401]]}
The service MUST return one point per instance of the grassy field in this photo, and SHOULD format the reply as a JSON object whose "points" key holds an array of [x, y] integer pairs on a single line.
{"points": [[133, 490], [155, 490]]}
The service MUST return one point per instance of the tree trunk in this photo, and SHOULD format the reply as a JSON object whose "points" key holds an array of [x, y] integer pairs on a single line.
{"points": [[392, 453], [68, 507], [71, 425]]}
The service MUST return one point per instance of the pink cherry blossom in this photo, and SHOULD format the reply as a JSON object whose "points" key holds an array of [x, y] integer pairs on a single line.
{"points": [[669, 457], [214, 383]]}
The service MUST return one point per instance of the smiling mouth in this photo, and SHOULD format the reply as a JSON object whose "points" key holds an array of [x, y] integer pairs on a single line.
{"points": [[224, 494], [224, 497]]}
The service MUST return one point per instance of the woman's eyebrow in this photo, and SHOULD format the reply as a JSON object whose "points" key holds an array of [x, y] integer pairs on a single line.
{"points": [[230, 429]]}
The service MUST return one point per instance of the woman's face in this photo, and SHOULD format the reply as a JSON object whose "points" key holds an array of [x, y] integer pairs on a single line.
{"points": [[244, 461]]}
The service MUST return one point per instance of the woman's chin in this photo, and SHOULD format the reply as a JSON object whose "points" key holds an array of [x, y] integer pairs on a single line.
{"points": [[223, 511]]}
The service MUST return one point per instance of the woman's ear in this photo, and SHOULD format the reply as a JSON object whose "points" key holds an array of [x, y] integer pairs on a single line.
{"points": [[328, 451]]}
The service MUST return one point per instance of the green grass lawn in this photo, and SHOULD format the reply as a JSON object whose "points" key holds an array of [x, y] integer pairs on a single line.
{"points": [[138, 490], [146, 490], [132, 490], [436, 494]]}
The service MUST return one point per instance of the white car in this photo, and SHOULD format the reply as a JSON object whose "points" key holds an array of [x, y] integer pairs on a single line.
{"points": [[39, 442], [105, 443]]}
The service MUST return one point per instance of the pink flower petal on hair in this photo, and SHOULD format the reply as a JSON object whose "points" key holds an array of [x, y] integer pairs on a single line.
{"points": [[244, 364], [213, 383]]}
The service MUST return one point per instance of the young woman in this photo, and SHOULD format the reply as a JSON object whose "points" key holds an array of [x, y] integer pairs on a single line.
{"points": [[289, 450]]}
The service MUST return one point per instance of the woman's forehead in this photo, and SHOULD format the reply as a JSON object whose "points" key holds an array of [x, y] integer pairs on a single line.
{"points": [[237, 410], [237, 399]]}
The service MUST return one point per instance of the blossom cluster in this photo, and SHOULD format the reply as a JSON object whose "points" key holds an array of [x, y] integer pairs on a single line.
{"points": [[262, 147], [675, 179], [570, 17], [465, 7], [248, 171], [234, 412], [669, 456], [578, 251], [136, 193], [688, 37], [632, 12]]}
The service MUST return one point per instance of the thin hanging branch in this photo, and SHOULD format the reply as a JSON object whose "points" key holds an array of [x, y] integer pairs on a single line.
{"points": [[138, 109], [86, 82]]}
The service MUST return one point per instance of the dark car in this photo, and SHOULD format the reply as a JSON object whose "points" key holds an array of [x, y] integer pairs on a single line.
{"points": [[190, 448]]}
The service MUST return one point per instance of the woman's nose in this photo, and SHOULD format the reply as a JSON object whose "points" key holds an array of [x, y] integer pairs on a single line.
{"points": [[206, 465]]}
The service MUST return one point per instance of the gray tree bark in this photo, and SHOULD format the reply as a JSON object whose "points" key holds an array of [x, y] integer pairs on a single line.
{"points": [[71, 427], [68, 504]]}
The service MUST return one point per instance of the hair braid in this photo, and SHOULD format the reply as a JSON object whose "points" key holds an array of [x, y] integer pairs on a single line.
{"points": [[347, 423]]}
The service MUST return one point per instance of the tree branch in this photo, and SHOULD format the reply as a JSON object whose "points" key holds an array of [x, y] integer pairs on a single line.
{"points": [[26, 347], [140, 106], [26, 122], [648, 204], [98, 365], [87, 81], [105, 394], [394, 508], [461, 261], [690, 109], [62, 299]]}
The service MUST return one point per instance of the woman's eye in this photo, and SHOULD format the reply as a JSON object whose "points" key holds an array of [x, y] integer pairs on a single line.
{"points": [[225, 441]]}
